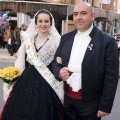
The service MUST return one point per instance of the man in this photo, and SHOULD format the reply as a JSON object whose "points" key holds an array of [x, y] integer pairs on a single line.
{"points": [[117, 38], [1, 41], [16, 42], [87, 61], [22, 32], [18, 38]]}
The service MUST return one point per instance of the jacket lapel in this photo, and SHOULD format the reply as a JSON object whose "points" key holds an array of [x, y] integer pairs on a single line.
{"points": [[91, 45]]}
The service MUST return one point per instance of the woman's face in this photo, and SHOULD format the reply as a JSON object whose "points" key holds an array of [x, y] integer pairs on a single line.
{"points": [[43, 22]]}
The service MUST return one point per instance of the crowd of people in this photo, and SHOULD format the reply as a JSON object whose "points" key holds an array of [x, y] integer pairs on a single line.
{"points": [[68, 77], [11, 38]]}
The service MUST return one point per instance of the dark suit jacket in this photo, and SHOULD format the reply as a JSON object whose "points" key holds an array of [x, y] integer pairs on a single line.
{"points": [[99, 67]]}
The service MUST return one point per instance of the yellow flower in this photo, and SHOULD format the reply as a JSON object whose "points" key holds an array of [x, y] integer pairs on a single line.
{"points": [[9, 74]]}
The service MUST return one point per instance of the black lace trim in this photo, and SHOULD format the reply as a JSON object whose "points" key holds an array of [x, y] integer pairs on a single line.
{"points": [[37, 49]]}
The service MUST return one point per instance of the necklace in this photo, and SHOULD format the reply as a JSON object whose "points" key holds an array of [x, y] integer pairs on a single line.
{"points": [[38, 49]]}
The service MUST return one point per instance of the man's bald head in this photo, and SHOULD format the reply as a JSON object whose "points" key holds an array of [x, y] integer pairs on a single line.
{"points": [[83, 16], [85, 5]]}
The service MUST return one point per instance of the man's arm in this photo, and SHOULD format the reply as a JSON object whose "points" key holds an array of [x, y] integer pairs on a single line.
{"points": [[56, 65], [110, 77]]}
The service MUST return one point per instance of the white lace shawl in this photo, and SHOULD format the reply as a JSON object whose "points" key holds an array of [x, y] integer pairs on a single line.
{"points": [[47, 52]]}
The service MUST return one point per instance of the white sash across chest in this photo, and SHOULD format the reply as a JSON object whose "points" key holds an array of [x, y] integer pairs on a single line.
{"points": [[45, 72]]}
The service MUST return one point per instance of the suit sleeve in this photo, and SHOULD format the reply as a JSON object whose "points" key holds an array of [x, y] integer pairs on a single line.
{"points": [[56, 66], [110, 76]]}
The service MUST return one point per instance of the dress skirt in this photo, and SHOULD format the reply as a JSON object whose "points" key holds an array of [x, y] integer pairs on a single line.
{"points": [[32, 98]]}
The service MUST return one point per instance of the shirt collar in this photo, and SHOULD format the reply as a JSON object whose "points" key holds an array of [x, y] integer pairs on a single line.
{"points": [[86, 33]]}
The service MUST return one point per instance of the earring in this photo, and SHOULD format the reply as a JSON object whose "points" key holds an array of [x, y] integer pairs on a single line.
{"points": [[36, 29]]}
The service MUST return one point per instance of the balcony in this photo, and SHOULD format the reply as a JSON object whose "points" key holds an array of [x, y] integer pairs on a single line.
{"points": [[51, 1]]}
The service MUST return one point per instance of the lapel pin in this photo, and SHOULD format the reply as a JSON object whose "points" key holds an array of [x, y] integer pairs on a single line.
{"points": [[90, 46]]}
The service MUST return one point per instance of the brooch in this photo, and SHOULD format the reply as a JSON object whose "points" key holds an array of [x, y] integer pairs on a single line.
{"points": [[37, 54], [90, 46]]}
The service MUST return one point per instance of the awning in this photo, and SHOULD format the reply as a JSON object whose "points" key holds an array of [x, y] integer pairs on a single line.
{"points": [[30, 6], [65, 9]]}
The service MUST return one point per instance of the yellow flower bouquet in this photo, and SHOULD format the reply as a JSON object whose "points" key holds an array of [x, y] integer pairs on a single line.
{"points": [[9, 74]]}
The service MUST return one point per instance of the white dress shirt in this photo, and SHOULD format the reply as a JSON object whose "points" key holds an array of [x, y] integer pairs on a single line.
{"points": [[80, 44]]}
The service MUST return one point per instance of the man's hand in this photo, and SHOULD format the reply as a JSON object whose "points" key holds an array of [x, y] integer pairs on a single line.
{"points": [[64, 73], [101, 114]]}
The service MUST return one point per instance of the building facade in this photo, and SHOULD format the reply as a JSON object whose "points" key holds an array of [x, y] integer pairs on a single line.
{"points": [[110, 20], [107, 12]]}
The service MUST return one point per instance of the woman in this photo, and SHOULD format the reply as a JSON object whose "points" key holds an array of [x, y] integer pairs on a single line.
{"points": [[14, 41], [7, 35], [36, 95]]}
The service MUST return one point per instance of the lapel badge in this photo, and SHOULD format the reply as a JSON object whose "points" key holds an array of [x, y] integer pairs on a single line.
{"points": [[90, 46]]}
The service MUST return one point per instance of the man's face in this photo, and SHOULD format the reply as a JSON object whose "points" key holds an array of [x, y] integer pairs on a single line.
{"points": [[83, 16], [24, 28]]}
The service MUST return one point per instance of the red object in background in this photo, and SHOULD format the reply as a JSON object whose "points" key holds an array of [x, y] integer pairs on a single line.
{"points": [[117, 37], [3, 38]]}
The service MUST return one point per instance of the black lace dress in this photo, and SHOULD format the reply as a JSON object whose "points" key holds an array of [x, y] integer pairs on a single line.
{"points": [[32, 98]]}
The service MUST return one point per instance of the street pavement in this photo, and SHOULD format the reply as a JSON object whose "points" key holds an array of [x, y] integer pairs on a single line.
{"points": [[7, 60], [5, 57]]}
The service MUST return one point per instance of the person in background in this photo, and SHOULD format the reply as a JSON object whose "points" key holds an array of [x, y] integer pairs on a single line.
{"points": [[14, 42], [36, 95], [117, 38], [18, 38], [87, 61], [7, 36], [1, 41], [22, 32]]}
